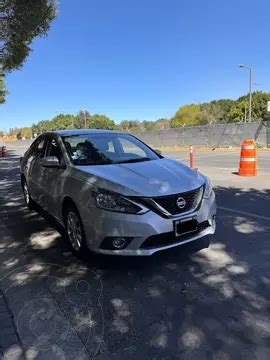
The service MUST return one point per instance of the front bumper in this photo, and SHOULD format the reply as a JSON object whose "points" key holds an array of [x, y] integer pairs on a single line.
{"points": [[99, 224]]}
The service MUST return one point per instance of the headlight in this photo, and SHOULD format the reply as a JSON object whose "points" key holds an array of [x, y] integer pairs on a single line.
{"points": [[208, 189], [111, 201]]}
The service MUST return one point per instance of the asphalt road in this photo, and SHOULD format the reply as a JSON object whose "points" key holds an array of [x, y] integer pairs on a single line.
{"points": [[218, 159], [178, 304]]}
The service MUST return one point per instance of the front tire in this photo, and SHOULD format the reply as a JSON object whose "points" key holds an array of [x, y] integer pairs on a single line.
{"points": [[26, 194], [74, 231]]}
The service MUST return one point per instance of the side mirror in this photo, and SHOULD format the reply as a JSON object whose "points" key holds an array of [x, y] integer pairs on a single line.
{"points": [[158, 151], [50, 162]]}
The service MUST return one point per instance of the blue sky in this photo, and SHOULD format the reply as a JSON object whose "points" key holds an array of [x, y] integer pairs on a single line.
{"points": [[140, 59]]}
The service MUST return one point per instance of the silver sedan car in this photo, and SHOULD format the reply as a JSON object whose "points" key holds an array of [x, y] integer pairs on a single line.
{"points": [[114, 194]]}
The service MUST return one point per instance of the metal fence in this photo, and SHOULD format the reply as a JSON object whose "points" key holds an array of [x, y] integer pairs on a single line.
{"points": [[222, 135]]}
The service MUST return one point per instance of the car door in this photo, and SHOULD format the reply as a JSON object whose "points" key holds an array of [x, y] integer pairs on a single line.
{"points": [[33, 168], [52, 179]]}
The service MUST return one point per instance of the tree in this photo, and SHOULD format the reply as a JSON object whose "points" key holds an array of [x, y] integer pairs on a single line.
{"points": [[131, 125], [216, 111], [259, 106], [124, 125], [80, 119], [21, 22], [3, 91], [147, 125], [161, 124], [238, 110], [62, 121], [68, 121], [100, 122], [13, 131], [95, 121], [222, 109], [186, 115], [24, 133]]}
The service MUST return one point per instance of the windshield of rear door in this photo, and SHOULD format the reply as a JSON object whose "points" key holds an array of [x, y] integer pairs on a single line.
{"points": [[110, 148]]}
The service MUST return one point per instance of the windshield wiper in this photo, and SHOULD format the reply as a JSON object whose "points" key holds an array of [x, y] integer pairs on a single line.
{"points": [[134, 160]]}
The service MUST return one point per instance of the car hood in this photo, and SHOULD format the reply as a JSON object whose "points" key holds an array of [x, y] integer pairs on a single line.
{"points": [[149, 178]]}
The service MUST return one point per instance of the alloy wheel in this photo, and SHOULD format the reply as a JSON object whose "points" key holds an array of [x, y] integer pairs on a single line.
{"points": [[74, 231]]}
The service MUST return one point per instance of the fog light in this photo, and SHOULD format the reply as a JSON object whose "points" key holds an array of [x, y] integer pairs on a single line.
{"points": [[119, 243]]}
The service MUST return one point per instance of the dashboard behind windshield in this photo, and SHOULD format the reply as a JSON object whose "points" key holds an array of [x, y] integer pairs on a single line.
{"points": [[110, 148]]}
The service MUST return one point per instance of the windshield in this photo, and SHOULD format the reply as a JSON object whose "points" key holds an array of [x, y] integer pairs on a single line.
{"points": [[110, 148]]}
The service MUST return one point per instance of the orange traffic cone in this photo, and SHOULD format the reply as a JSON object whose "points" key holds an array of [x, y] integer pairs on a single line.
{"points": [[248, 159]]}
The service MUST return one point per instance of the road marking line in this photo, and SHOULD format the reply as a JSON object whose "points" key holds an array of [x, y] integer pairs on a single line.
{"points": [[198, 157], [244, 213]]}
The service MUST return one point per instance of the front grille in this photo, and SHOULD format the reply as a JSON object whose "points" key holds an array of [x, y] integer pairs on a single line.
{"points": [[169, 203], [169, 238]]}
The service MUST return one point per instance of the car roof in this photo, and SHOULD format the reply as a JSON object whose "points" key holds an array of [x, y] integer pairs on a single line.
{"points": [[81, 132]]}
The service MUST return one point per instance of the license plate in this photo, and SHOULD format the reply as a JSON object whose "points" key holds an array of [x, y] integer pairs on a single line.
{"points": [[185, 226]]}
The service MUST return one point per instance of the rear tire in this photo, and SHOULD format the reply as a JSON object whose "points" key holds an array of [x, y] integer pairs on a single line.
{"points": [[74, 231], [26, 194]]}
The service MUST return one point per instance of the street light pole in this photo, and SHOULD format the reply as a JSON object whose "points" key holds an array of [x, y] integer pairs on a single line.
{"points": [[84, 116], [250, 93], [250, 90]]}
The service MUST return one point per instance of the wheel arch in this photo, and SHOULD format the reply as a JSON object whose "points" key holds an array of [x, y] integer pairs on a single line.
{"points": [[67, 201], [22, 178]]}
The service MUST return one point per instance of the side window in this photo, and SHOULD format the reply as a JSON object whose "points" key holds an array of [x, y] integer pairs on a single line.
{"points": [[40, 148], [111, 146], [131, 148], [37, 148], [53, 149]]}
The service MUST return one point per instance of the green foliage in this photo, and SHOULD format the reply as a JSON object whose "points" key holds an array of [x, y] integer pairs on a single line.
{"points": [[186, 115], [131, 125], [222, 111], [61, 121], [100, 122], [148, 125], [218, 111], [68, 121], [3, 91], [95, 121], [21, 22], [21, 133], [161, 124], [259, 105], [207, 113], [238, 111], [25, 133], [215, 111]]}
